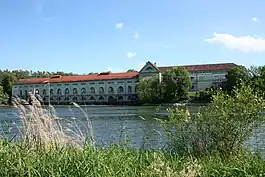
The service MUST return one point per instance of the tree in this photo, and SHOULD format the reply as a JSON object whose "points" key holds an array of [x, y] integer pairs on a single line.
{"points": [[149, 89], [3, 96], [131, 70], [7, 82], [236, 76], [176, 83], [222, 126]]}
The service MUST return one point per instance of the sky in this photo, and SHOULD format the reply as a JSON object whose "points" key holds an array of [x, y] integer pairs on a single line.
{"points": [[98, 35]]}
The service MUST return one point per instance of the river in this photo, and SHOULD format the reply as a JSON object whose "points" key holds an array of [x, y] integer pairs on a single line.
{"points": [[112, 123]]}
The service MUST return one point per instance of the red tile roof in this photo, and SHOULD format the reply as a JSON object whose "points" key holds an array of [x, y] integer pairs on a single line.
{"points": [[203, 67], [76, 78]]}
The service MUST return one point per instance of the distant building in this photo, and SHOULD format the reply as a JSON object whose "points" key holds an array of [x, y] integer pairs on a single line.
{"points": [[108, 87]]}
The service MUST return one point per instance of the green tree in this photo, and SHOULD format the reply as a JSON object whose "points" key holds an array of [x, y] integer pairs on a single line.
{"points": [[176, 83], [7, 83], [222, 126], [3, 96], [236, 76], [149, 89], [131, 70]]}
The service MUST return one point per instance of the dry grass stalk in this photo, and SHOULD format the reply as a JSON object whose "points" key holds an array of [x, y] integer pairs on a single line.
{"points": [[42, 128]]}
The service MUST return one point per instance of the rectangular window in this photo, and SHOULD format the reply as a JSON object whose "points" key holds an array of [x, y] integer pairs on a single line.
{"points": [[101, 83], [58, 84], [66, 84], [129, 81], [92, 83], [120, 82], [83, 83], [75, 84], [110, 82]]}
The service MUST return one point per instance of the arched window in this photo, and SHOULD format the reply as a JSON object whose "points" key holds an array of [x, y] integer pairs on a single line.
{"points": [[92, 98], [111, 90], [51, 91], [92, 90], [59, 98], [111, 98], [75, 91], [83, 90], [120, 98], [59, 91], [83, 98], [51, 98], [129, 89], [75, 99], [120, 89], [66, 99], [37, 91], [136, 88], [101, 90], [66, 91], [101, 98]]}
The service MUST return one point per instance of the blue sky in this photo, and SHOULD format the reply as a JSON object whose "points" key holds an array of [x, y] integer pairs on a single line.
{"points": [[95, 35]]}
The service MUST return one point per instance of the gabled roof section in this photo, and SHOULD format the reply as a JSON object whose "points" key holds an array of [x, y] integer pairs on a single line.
{"points": [[202, 67], [149, 64], [80, 78]]}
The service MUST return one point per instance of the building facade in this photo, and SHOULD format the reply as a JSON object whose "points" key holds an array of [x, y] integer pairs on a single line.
{"points": [[112, 88]]}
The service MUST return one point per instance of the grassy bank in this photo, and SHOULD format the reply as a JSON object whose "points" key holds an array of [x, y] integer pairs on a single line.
{"points": [[20, 160], [209, 143]]}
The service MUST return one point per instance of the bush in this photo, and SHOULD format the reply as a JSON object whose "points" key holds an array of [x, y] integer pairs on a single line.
{"points": [[222, 126]]}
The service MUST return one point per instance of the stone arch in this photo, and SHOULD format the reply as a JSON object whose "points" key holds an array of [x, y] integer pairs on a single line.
{"points": [[75, 91], [101, 90], [111, 90], [120, 89], [66, 91], [101, 98]]}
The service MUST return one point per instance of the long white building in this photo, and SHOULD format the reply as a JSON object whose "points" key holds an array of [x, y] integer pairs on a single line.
{"points": [[108, 87]]}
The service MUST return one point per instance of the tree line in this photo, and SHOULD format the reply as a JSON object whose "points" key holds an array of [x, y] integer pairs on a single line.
{"points": [[175, 85]]}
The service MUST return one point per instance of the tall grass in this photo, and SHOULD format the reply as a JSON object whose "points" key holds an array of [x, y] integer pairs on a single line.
{"points": [[49, 149]]}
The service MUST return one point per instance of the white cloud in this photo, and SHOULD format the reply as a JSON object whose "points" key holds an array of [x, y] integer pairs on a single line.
{"points": [[255, 19], [119, 25], [243, 43], [131, 54], [136, 35]]}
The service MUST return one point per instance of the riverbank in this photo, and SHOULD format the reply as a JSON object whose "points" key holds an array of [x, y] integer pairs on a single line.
{"points": [[22, 160]]}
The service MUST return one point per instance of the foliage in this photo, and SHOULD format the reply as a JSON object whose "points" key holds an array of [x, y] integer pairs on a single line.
{"points": [[204, 96], [131, 70], [236, 76], [36, 155], [175, 84], [149, 89], [3, 96], [19, 160], [223, 126]]}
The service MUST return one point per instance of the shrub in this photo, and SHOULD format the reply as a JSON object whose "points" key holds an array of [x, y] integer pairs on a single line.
{"points": [[222, 126]]}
